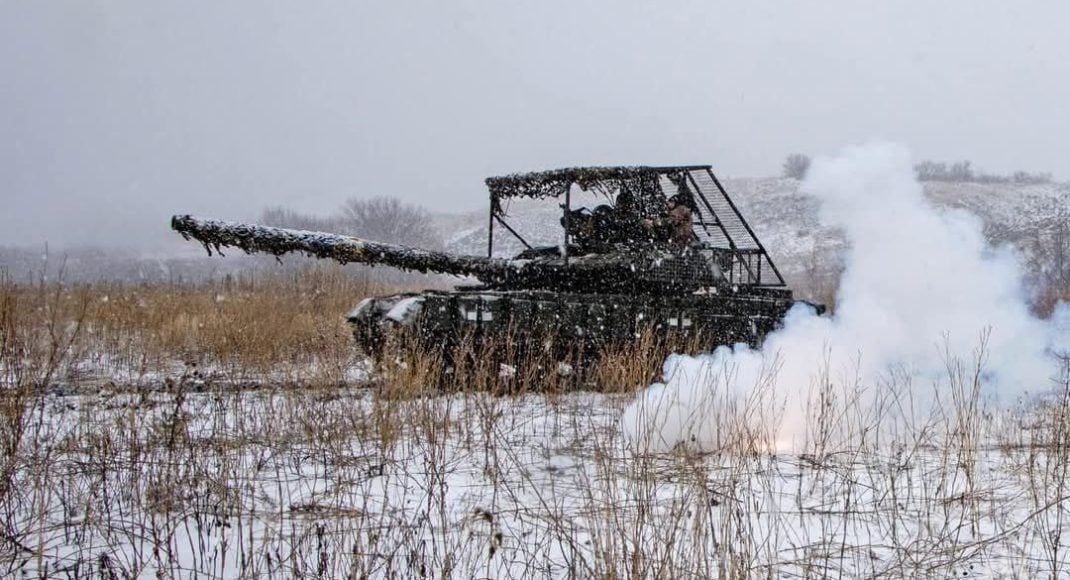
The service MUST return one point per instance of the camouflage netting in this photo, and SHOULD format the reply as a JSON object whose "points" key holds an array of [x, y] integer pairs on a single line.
{"points": [[251, 238], [641, 181]]}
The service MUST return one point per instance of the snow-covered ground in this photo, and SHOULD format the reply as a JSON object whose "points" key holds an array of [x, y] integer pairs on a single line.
{"points": [[349, 483]]}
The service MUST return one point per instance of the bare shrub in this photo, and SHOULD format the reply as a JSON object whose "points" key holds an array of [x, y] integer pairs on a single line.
{"points": [[1049, 263], [387, 219], [796, 166]]}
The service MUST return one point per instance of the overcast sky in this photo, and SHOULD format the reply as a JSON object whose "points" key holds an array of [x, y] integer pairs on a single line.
{"points": [[116, 114]]}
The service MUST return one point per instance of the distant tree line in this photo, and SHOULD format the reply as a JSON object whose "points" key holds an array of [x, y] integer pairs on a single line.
{"points": [[797, 165], [962, 171]]}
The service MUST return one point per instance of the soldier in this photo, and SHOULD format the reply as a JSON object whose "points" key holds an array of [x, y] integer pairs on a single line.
{"points": [[625, 203], [628, 226], [603, 228], [581, 228], [681, 233]]}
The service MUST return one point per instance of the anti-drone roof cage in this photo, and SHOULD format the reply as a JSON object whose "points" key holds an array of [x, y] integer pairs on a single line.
{"points": [[720, 231]]}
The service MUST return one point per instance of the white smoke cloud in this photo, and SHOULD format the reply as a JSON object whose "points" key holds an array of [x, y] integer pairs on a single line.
{"points": [[921, 287], [1060, 330]]}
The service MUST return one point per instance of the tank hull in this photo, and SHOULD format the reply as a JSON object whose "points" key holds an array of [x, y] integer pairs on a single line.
{"points": [[569, 321]]}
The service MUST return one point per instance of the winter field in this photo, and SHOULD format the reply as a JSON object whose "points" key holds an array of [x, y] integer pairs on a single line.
{"points": [[269, 454], [230, 429]]}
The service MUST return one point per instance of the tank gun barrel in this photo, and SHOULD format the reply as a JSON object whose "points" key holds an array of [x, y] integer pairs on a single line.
{"points": [[639, 273], [252, 238]]}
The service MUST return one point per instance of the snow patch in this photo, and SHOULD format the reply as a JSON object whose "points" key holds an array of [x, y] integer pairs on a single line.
{"points": [[361, 308], [406, 309]]}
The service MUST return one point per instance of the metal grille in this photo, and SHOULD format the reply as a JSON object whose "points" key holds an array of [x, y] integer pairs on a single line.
{"points": [[719, 225], [719, 209]]}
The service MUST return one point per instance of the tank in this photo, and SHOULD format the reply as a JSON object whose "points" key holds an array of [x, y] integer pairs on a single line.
{"points": [[665, 250]]}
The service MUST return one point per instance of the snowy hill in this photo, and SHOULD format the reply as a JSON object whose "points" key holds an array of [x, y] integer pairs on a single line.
{"points": [[788, 221]]}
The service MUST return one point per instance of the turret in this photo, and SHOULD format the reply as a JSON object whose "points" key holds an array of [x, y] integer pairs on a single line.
{"points": [[654, 272], [665, 231]]}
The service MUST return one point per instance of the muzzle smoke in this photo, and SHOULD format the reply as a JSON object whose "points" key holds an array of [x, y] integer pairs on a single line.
{"points": [[922, 288]]}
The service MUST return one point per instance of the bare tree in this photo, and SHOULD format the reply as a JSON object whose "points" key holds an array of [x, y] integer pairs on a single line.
{"points": [[1049, 264], [386, 219], [931, 171], [961, 171], [796, 166]]}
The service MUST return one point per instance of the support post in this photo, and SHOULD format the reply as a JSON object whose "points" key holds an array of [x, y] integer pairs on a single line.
{"points": [[490, 232], [568, 212]]}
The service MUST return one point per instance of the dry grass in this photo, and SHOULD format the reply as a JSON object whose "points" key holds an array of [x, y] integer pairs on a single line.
{"points": [[508, 474], [258, 326], [262, 328]]}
